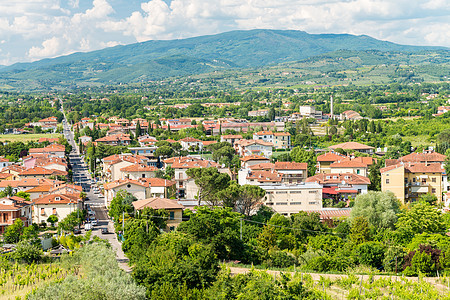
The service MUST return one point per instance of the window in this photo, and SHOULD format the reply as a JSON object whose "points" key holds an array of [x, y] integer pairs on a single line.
{"points": [[296, 192], [171, 228], [358, 171], [42, 212], [296, 203], [433, 179], [313, 192], [433, 191], [313, 203], [54, 211], [281, 203], [143, 175], [328, 177], [414, 179], [128, 185], [269, 203], [359, 191], [387, 181], [424, 180], [281, 192], [172, 215]]}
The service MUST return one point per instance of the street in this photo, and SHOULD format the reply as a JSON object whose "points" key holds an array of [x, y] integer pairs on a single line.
{"points": [[81, 176]]}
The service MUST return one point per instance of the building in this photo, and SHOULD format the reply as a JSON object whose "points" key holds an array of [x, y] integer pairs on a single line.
{"points": [[310, 112], [53, 150], [137, 188], [350, 115], [266, 136], [60, 205], [113, 164], [253, 147], [4, 162], [349, 166], [290, 199], [115, 139], [138, 171], [424, 157], [292, 172], [230, 138], [162, 188], [324, 161], [282, 140], [353, 146], [253, 159], [174, 209], [258, 113], [191, 144], [341, 186], [12, 208], [409, 181]]}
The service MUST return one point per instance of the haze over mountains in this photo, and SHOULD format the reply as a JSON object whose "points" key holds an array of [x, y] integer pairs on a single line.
{"points": [[153, 60]]}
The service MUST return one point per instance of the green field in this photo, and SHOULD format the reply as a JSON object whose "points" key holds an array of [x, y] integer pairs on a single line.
{"points": [[27, 137]]}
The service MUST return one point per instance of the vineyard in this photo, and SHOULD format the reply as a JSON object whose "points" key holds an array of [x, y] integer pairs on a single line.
{"points": [[17, 279]]}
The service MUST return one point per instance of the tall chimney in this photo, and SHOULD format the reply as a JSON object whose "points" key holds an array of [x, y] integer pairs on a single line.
{"points": [[331, 107]]}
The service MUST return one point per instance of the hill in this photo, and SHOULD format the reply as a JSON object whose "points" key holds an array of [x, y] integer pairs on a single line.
{"points": [[154, 60]]}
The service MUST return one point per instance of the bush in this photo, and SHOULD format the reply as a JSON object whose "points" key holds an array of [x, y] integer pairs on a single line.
{"points": [[371, 254], [27, 252], [281, 259], [394, 259]]}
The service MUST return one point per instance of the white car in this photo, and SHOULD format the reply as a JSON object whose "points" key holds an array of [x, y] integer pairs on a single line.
{"points": [[94, 222]]}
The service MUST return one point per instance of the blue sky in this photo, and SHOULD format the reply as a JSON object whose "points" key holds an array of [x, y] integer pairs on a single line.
{"points": [[36, 29]]}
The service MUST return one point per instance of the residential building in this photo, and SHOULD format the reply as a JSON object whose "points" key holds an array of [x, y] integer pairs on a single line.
{"points": [[258, 113], [4, 162], [174, 209], [230, 138], [137, 171], [266, 136], [341, 186], [113, 164], [60, 205], [252, 147], [162, 188], [39, 172], [408, 181], [424, 157], [12, 208], [290, 199], [115, 139], [292, 172], [137, 188], [53, 150], [310, 112], [191, 144], [350, 115], [282, 140], [325, 160], [253, 159], [349, 166]]}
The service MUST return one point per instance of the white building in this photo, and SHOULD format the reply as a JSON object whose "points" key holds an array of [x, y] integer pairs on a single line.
{"points": [[60, 205]]}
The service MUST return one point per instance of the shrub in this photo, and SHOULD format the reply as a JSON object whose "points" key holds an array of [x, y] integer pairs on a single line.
{"points": [[27, 252], [281, 259], [371, 254]]}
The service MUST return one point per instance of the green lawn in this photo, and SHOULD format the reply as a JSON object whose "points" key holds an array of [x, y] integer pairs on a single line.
{"points": [[26, 137]]}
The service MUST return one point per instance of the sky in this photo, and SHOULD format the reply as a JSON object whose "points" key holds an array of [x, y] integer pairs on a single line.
{"points": [[35, 29]]}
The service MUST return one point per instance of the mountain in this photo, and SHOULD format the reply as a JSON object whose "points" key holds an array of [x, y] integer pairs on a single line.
{"points": [[159, 59]]}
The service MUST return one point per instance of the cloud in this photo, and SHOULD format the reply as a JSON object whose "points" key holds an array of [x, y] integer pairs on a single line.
{"points": [[35, 29]]}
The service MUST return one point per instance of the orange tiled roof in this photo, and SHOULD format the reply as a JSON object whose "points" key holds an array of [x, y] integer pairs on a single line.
{"points": [[351, 146], [190, 140], [348, 164], [268, 132], [285, 165], [121, 182], [331, 156], [232, 136], [253, 157], [416, 167], [335, 178], [281, 134], [53, 199], [265, 176], [157, 203], [194, 164], [262, 166], [138, 168], [159, 182]]}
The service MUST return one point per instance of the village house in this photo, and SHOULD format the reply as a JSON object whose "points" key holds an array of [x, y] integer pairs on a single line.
{"points": [[341, 186], [282, 140], [174, 209], [53, 150], [266, 136], [191, 144], [12, 208], [138, 171], [137, 188], [161, 187], [60, 205], [353, 146], [113, 164], [115, 139], [230, 138], [410, 180], [253, 147]]}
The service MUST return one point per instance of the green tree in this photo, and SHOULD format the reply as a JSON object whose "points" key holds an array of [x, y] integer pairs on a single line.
{"points": [[121, 203], [422, 217], [139, 234], [13, 232], [379, 208], [27, 252], [307, 224], [23, 195], [298, 154], [138, 130], [371, 254], [359, 231], [243, 199], [430, 198], [210, 182], [52, 220]]}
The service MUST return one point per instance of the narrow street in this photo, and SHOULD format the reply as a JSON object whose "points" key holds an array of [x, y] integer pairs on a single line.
{"points": [[81, 176]]}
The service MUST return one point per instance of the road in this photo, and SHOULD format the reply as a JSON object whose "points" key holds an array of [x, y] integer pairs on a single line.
{"points": [[81, 176]]}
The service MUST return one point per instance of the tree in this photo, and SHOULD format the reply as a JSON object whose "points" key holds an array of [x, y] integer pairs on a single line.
{"points": [[27, 252], [430, 198], [307, 224], [359, 231], [375, 176], [138, 129], [422, 217], [13, 232], [371, 254], [243, 199], [298, 154], [209, 181], [121, 203], [379, 208], [23, 195], [139, 234], [52, 220], [164, 151], [271, 114]]}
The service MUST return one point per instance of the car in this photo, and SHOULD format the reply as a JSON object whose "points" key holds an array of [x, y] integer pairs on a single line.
{"points": [[94, 222], [101, 196], [76, 231], [105, 231]]}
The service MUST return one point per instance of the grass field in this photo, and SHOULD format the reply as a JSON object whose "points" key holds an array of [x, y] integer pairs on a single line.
{"points": [[26, 137]]}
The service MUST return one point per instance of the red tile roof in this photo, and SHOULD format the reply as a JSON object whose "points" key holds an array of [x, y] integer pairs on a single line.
{"points": [[190, 140], [351, 146], [335, 178], [264, 132], [139, 168], [265, 176], [53, 199], [157, 203], [253, 157], [281, 134], [159, 182], [285, 165], [232, 136], [348, 164], [416, 167], [121, 182], [331, 157], [194, 164]]}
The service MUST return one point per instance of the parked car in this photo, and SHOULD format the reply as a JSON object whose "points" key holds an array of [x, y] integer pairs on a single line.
{"points": [[105, 231], [94, 222], [87, 226], [76, 231]]}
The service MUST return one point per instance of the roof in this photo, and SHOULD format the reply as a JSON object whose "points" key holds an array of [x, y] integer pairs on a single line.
{"points": [[262, 166], [265, 176], [232, 136], [331, 156], [416, 167], [264, 132], [53, 199], [180, 159], [139, 168], [281, 134], [157, 203], [194, 164], [190, 140], [287, 165], [49, 148], [348, 164], [423, 157], [122, 182], [246, 143], [333, 212], [351, 146], [207, 143], [114, 138], [159, 182], [338, 178], [253, 157]]}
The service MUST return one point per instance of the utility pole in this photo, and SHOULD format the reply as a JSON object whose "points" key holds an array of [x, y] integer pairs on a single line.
{"points": [[123, 223]]}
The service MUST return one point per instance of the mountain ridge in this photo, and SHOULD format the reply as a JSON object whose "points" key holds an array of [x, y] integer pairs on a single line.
{"points": [[158, 59]]}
